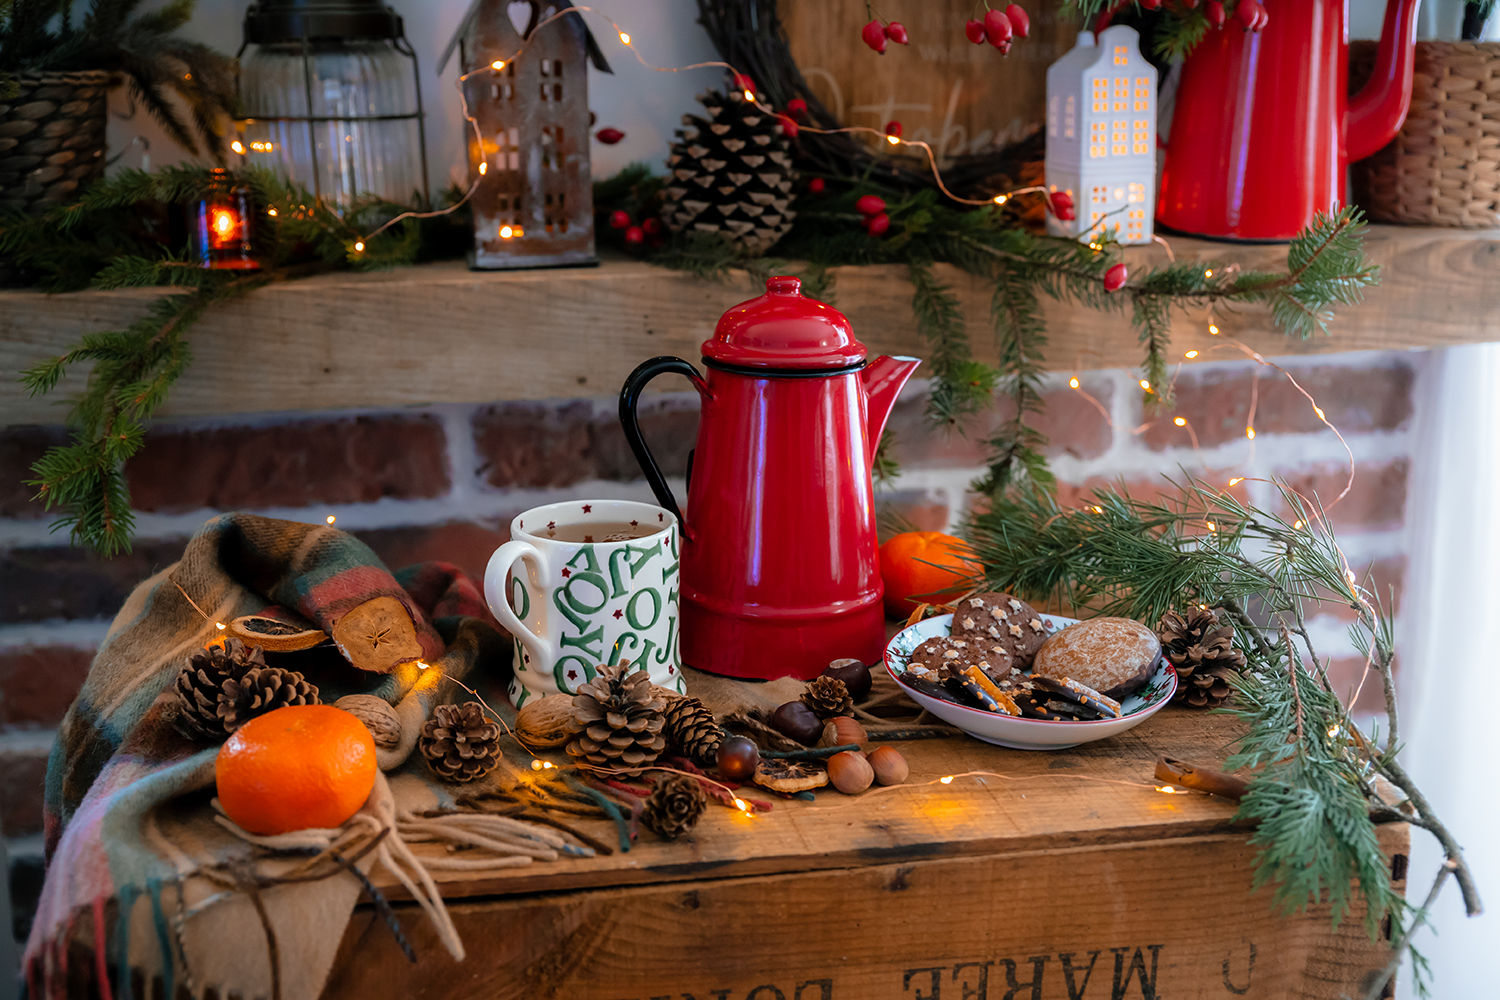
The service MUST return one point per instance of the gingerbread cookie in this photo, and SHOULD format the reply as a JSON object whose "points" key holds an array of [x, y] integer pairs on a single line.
{"points": [[1004, 623], [1114, 656]]}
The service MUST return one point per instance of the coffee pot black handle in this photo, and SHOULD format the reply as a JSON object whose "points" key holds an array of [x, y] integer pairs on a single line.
{"points": [[630, 395]]}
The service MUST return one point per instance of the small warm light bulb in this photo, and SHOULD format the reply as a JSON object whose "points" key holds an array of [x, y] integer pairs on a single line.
{"points": [[237, 146], [505, 232], [741, 805], [220, 626], [1001, 199], [624, 38], [1145, 385], [271, 212], [536, 765], [1166, 789], [331, 518], [359, 248], [223, 223], [1211, 526], [946, 780], [482, 168], [498, 64], [1350, 574], [422, 665], [1073, 382], [1236, 480], [1319, 411], [1098, 510], [1297, 526], [750, 96], [892, 140], [1190, 355], [1333, 732], [1250, 433], [1213, 329], [1179, 421], [1209, 273]]}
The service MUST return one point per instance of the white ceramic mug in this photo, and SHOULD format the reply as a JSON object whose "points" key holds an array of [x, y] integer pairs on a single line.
{"points": [[574, 605]]}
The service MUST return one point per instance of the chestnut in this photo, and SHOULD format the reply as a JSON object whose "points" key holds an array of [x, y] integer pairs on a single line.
{"points": [[854, 674], [737, 758], [796, 721]]}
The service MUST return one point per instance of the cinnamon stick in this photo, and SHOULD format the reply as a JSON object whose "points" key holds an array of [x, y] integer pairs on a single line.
{"points": [[1202, 779]]}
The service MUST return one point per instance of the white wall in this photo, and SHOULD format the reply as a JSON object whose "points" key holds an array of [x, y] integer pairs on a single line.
{"points": [[644, 104]]}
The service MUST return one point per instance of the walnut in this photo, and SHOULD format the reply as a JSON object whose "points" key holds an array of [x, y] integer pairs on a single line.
{"points": [[377, 715]]}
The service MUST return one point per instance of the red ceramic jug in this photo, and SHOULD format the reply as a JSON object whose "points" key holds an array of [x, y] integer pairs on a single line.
{"points": [[779, 567], [1263, 132]]}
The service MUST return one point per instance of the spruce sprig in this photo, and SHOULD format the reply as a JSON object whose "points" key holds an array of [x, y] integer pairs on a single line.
{"points": [[132, 370], [1312, 796]]}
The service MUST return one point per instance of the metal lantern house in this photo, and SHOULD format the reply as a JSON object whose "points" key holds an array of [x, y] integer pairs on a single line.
{"points": [[1101, 136], [526, 87]]}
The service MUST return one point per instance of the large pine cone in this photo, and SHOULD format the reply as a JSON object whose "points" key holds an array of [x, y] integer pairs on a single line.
{"points": [[617, 719], [731, 173], [201, 682], [1203, 654], [691, 728], [262, 690], [827, 697], [674, 806], [460, 743]]}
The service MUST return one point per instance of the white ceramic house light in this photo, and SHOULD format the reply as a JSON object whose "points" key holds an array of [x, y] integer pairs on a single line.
{"points": [[1101, 136]]}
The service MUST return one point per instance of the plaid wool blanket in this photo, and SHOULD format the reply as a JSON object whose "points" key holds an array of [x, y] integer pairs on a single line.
{"points": [[136, 859]]}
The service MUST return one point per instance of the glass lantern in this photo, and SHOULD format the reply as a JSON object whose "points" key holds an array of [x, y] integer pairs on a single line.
{"points": [[220, 226], [332, 100]]}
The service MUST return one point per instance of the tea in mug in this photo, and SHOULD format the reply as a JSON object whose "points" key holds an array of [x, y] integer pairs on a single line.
{"points": [[600, 531]]}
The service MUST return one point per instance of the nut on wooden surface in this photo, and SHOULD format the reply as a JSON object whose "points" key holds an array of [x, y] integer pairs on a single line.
{"points": [[544, 721], [890, 767], [850, 773], [377, 715]]}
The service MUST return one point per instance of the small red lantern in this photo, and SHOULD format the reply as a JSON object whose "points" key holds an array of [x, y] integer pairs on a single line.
{"points": [[221, 226]]}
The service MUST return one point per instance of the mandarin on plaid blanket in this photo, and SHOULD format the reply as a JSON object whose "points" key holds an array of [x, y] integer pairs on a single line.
{"points": [[118, 759]]}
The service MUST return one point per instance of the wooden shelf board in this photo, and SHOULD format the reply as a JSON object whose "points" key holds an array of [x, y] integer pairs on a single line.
{"points": [[442, 333]]}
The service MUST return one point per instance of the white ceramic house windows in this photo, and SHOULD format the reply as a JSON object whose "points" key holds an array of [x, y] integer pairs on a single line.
{"points": [[1101, 136]]}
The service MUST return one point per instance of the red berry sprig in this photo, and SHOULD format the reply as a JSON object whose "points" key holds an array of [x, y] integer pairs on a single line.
{"points": [[893, 130], [1115, 278], [1062, 205], [1216, 15], [816, 185], [872, 207], [878, 31], [609, 136], [998, 27]]}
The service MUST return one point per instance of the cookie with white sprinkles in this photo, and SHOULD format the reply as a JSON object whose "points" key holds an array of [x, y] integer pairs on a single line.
{"points": [[1004, 624]]}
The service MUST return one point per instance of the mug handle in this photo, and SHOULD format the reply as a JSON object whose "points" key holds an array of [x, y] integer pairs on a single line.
{"points": [[495, 596], [630, 395]]}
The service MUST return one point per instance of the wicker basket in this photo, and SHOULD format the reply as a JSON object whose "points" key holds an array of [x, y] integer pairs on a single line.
{"points": [[1443, 167], [51, 137]]}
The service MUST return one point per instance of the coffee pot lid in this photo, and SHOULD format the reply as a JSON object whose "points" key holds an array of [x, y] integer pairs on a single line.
{"points": [[784, 329]]}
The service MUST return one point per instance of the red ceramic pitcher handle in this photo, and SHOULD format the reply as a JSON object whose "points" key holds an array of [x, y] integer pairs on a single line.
{"points": [[630, 395]]}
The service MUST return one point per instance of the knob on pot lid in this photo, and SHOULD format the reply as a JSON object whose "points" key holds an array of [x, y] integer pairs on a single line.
{"points": [[783, 329]]}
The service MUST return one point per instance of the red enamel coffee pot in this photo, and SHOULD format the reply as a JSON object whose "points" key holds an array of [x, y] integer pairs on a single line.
{"points": [[779, 567], [1264, 129]]}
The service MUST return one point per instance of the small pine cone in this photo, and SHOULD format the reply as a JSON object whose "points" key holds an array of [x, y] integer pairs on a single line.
{"points": [[1202, 652], [262, 690], [692, 728], [674, 806], [617, 719], [827, 697], [201, 682], [460, 744]]}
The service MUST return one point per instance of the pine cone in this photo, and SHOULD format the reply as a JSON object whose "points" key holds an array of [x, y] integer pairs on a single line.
{"points": [[617, 719], [1203, 654], [261, 690], [692, 728], [201, 682], [460, 744], [827, 697], [731, 173], [674, 806]]}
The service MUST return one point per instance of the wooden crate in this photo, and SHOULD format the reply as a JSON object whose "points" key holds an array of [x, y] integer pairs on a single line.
{"points": [[1073, 878]]}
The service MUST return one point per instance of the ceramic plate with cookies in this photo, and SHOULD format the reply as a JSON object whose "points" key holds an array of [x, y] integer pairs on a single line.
{"points": [[1115, 654]]}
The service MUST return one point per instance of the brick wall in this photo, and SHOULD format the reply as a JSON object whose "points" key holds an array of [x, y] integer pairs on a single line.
{"points": [[443, 482]]}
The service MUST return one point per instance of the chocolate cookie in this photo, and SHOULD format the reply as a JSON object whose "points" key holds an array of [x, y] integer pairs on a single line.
{"points": [[943, 656], [1001, 622], [1114, 656]]}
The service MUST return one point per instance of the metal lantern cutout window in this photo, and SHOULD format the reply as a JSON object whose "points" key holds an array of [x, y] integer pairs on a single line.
{"points": [[220, 226], [1101, 136], [330, 100], [527, 88]]}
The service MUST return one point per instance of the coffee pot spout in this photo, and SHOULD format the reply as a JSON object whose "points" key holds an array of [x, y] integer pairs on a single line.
{"points": [[883, 379], [1375, 114]]}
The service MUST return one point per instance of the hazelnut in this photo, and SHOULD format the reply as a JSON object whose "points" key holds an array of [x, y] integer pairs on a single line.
{"points": [[889, 766], [850, 772], [841, 731]]}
